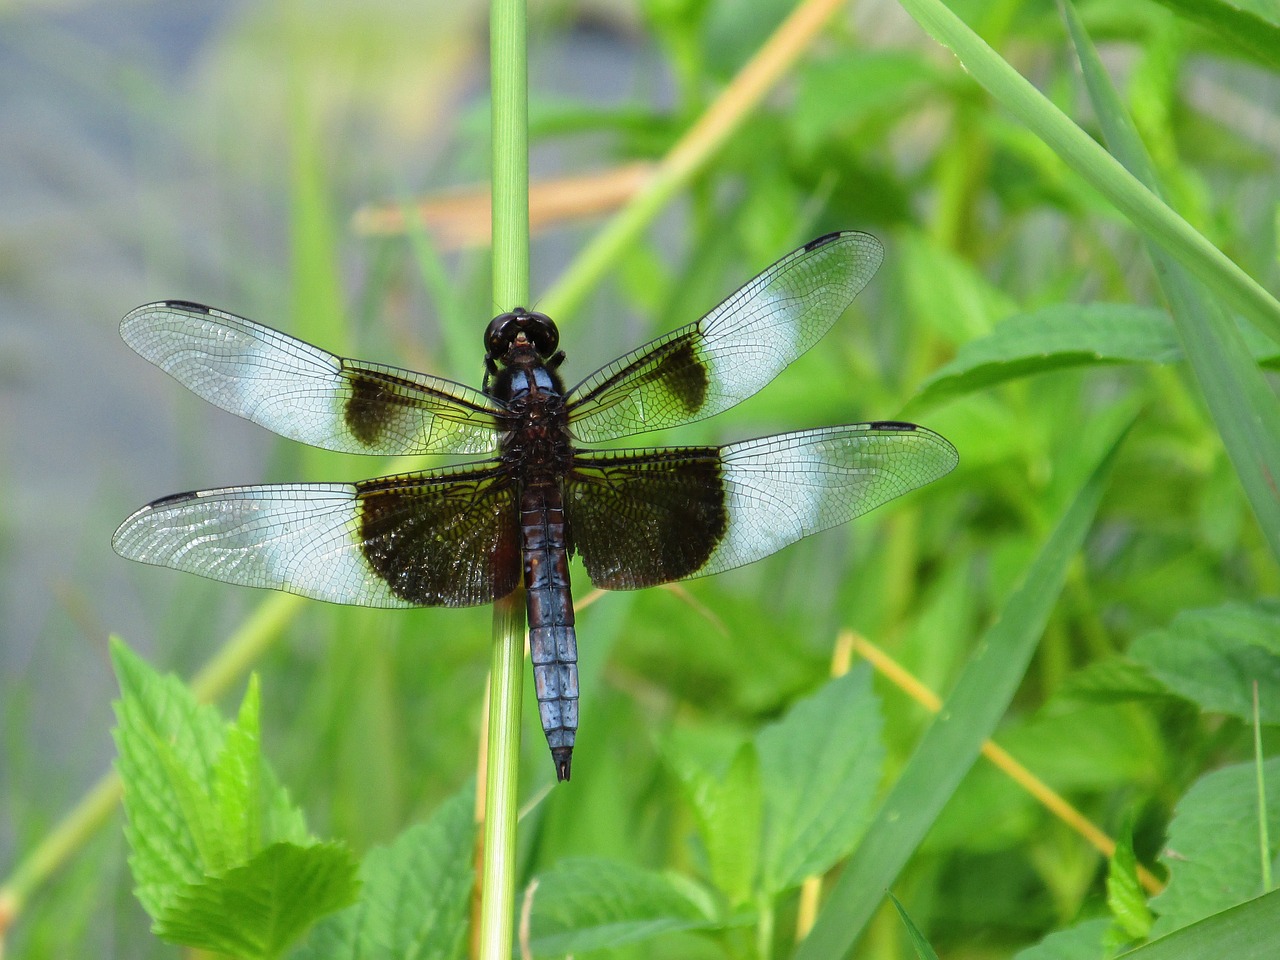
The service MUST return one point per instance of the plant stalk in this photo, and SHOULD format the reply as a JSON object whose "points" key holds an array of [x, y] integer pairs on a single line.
{"points": [[510, 118]]}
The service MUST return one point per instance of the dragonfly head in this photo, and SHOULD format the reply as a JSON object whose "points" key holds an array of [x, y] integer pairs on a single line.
{"points": [[516, 331]]}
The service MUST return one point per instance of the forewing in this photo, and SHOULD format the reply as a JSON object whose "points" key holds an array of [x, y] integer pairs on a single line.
{"points": [[728, 355], [644, 517], [448, 539], [306, 394]]}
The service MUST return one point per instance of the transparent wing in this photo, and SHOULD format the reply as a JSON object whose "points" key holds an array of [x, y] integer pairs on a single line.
{"points": [[728, 355], [306, 394], [448, 539], [644, 517]]}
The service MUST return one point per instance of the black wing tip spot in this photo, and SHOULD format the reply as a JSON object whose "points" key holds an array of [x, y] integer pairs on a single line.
{"points": [[187, 305], [901, 425], [172, 499], [823, 240]]}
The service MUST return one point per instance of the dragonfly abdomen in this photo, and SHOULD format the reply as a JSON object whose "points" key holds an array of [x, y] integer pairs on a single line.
{"points": [[553, 645]]}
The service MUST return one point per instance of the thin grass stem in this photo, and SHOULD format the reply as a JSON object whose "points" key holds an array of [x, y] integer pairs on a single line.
{"points": [[510, 105]]}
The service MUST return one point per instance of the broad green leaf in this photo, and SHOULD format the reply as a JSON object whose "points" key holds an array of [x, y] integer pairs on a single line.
{"points": [[1067, 335], [1084, 941], [1247, 30], [1243, 405], [415, 895], [1063, 335], [590, 904], [952, 742], [1246, 932], [1212, 851], [259, 909], [1125, 895], [1112, 680], [1214, 656], [727, 804], [820, 766]]}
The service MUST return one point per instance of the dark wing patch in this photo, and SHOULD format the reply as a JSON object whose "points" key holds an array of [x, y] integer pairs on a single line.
{"points": [[728, 355], [675, 373], [444, 539], [451, 539], [643, 517], [307, 394]]}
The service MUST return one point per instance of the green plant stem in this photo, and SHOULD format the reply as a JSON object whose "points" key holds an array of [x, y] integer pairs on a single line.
{"points": [[1264, 838], [510, 105]]}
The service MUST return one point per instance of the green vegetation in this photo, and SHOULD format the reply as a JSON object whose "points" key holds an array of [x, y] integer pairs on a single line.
{"points": [[1074, 295]]}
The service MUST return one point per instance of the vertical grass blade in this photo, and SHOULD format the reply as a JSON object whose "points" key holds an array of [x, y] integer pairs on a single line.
{"points": [[950, 746], [1244, 409], [510, 105]]}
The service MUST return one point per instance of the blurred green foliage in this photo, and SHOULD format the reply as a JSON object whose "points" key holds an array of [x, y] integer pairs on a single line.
{"points": [[371, 718]]}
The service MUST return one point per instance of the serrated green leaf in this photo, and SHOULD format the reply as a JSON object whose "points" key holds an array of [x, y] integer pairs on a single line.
{"points": [[415, 896], [159, 729], [590, 904], [257, 910], [1068, 335], [282, 821], [820, 766], [1125, 896], [1212, 851], [1053, 338], [1112, 680], [199, 800], [726, 803], [1214, 656], [237, 786]]}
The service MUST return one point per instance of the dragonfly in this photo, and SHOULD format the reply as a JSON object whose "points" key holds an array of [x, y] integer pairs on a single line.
{"points": [[474, 532]]}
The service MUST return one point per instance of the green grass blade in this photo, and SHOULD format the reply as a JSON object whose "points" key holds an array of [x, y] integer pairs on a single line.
{"points": [[948, 749], [1243, 29], [1243, 406], [1083, 155], [924, 949]]}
